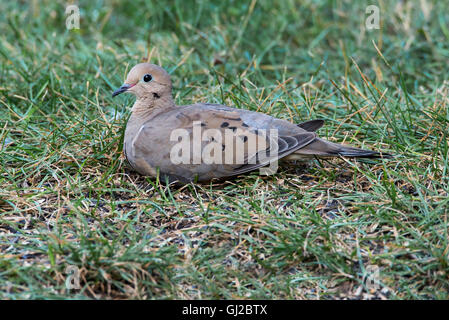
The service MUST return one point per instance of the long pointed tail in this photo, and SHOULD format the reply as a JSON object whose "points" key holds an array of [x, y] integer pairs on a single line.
{"points": [[323, 148]]}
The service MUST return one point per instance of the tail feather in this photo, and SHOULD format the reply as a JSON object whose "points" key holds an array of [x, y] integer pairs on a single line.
{"points": [[323, 148]]}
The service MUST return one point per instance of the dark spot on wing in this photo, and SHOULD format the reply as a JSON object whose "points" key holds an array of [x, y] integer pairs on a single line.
{"points": [[224, 124]]}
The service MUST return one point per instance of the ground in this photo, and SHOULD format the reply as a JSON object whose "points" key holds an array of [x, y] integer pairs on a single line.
{"points": [[329, 229]]}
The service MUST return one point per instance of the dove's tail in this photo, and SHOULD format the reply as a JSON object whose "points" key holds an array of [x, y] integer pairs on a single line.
{"points": [[323, 148]]}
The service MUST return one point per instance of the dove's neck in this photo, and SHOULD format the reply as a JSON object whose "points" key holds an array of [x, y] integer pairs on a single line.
{"points": [[146, 108]]}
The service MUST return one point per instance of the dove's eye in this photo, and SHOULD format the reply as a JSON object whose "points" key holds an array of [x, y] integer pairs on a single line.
{"points": [[147, 77]]}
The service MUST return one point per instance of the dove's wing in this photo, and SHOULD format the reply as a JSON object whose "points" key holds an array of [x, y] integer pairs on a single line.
{"points": [[205, 141]]}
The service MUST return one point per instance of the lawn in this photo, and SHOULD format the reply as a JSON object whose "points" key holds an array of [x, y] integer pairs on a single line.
{"points": [[71, 208]]}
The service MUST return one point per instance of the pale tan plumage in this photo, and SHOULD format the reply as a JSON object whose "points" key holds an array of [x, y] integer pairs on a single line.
{"points": [[154, 116]]}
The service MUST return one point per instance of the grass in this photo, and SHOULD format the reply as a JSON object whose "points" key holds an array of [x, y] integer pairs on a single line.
{"points": [[68, 198]]}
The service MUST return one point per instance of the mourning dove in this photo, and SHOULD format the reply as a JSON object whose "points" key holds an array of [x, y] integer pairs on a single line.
{"points": [[204, 141]]}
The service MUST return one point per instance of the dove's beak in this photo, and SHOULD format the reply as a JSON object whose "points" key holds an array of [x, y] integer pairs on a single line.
{"points": [[122, 89]]}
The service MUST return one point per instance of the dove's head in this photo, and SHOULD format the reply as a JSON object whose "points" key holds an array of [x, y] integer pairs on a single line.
{"points": [[146, 80]]}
